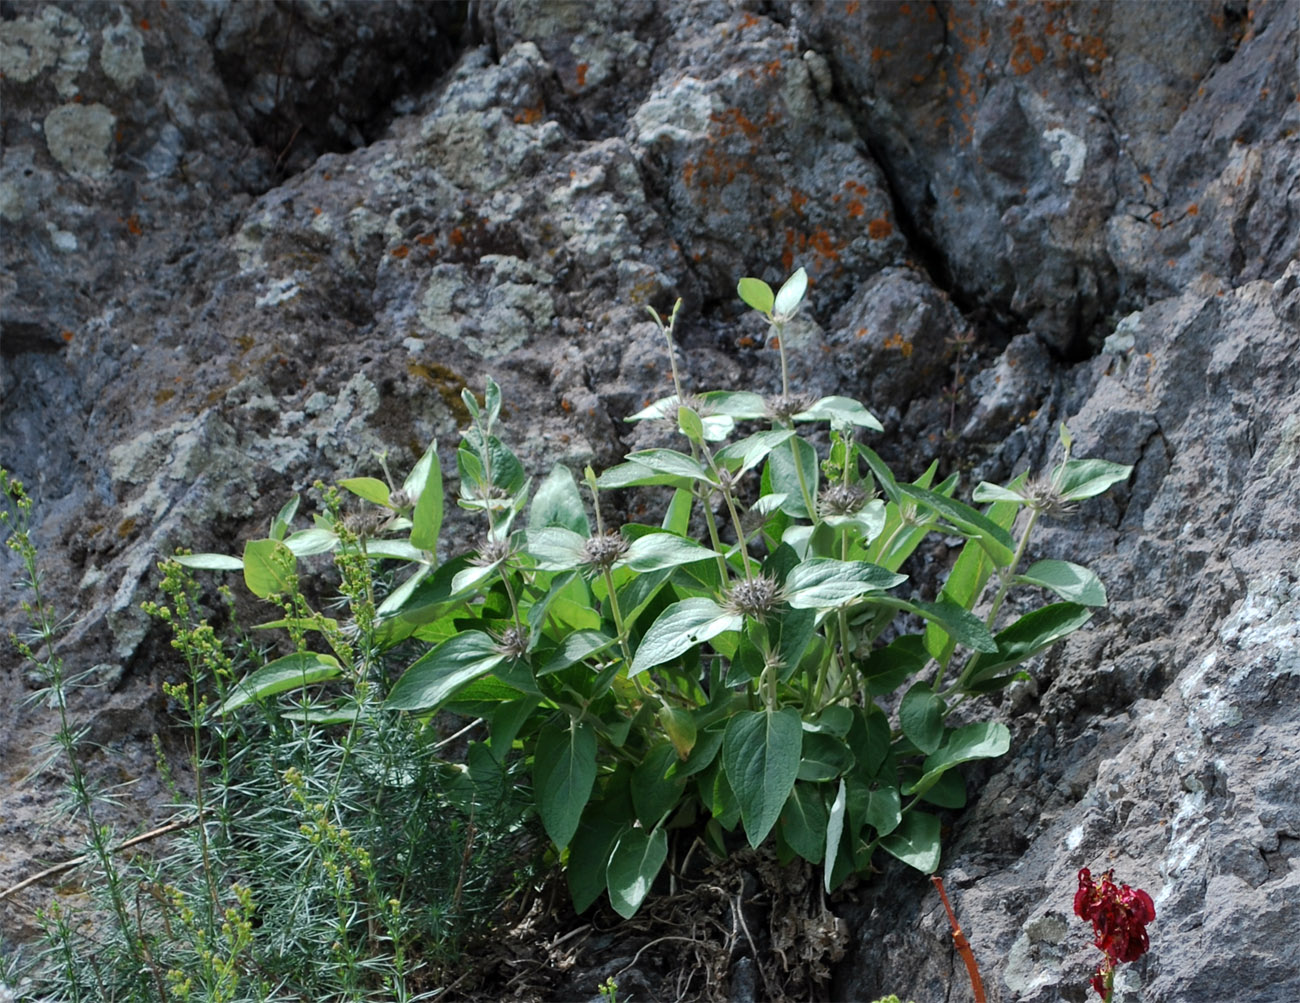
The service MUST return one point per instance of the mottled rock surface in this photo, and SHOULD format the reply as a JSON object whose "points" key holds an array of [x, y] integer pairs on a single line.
{"points": [[247, 245]]}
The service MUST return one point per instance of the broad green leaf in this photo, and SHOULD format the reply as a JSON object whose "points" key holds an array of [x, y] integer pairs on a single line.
{"points": [[507, 472], [470, 401], [981, 740], [540, 611], [833, 720], [398, 550], [760, 754], [632, 474], [968, 577], [589, 859], [842, 409], [633, 867], [757, 294], [491, 400], [576, 647], [1080, 479], [823, 757], [868, 521], [822, 582], [750, 452], [834, 832], [1072, 582], [427, 602], [986, 492], [880, 470], [790, 295], [671, 462], [309, 542], [564, 772], [915, 842], [280, 524], [438, 674], [677, 517], [326, 715], [288, 673], [679, 726], [921, 717], [883, 809], [658, 410], [372, 489], [803, 822], [869, 737], [636, 597], [996, 540], [1029, 635], [886, 668], [426, 521], [403, 592], [785, 463], [742, 405], [690, 425], [556, 548], [506, 720], [269, 568], [794, 631], [960, 623], [558, 502], [715, 423], [679, 628], [949, 791], [209, 562], [707, 744], [654, 791], [655, 551]]}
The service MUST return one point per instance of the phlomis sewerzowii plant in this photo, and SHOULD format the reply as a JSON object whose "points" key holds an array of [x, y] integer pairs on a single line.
{"points": [[755, 679]]}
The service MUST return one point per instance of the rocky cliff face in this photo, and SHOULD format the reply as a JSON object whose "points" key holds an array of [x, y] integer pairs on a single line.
{"points": [[250, 244]]}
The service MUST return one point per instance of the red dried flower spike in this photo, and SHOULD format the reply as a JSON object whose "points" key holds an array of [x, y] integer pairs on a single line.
{"points": [[1119, 916]]}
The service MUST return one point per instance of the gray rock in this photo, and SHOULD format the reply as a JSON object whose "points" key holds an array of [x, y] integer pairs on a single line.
{"points": [[250, 244]]}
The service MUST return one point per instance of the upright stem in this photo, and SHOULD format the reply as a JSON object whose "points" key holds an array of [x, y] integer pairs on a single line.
{"points": [[617, 614], [1011, 569], [714, 539], [963, 946], [780, 346]]}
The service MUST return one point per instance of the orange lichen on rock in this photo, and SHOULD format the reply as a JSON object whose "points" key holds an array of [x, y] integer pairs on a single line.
{"points": [[896, 340], [879, 228], [531, 115]]}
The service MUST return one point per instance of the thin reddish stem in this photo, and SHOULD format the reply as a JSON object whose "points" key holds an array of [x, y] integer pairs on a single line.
{"points": [[963, 945]]}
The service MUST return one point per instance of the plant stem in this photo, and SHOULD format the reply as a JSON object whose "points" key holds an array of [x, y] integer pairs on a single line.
{"points": [[617, 614], [1010, 573], [1006, 582], [780, 346], [963, 945]]}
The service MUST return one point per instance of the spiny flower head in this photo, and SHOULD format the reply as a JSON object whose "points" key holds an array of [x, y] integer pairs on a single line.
{"points": [[783, 407], [841, 499], [493, 550], [600, 552], [512, 642], [1043, 495], [755, 597]]}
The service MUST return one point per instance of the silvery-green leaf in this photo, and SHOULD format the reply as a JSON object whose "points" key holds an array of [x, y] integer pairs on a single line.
{"points": [[791, 294], [844, 409]]}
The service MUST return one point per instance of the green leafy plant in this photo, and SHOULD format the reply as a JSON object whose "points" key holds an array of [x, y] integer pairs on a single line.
{"points": [[327, 849], [749, 664]]}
